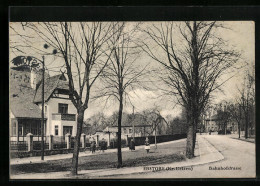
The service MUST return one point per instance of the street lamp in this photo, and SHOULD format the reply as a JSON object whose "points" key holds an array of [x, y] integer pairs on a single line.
{"points": [[42, 128], [42, 124], [42, 115]]}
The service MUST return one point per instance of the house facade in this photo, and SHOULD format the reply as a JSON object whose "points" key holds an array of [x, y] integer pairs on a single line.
{"points": [[60, 112], [212, 123], [25, 98]]}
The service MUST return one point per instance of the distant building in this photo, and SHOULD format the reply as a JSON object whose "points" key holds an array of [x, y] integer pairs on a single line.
{"points": [[211, 124], [133, 125]]}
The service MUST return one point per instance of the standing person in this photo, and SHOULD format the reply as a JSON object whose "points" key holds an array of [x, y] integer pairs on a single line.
{"points": [[93, 146], [103, 145], [132, 145], [147, 145]]}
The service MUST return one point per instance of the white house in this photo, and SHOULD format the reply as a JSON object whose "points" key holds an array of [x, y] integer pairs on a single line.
{"points": [[25, 97]]}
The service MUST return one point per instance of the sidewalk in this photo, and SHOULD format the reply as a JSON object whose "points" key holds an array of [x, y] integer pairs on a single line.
{"points": [[235, 136], [204, 153], [37, 159]]}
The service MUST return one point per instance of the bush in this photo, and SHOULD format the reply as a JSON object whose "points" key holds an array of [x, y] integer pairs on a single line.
{"points": [[159, 139], [223, 132], [113, 143]]}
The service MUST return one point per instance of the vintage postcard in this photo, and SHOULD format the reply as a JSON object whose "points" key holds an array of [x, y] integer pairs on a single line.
{"points": [[139, 99]]}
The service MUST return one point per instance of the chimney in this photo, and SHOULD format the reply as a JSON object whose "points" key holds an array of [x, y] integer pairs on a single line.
{"points": [[35, 78]]}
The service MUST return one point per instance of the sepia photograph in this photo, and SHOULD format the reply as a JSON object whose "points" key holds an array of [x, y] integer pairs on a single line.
{"points": [[132, 99]]}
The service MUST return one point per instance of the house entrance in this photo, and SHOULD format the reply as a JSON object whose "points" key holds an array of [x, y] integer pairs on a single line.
{"points": [[67, 129]]}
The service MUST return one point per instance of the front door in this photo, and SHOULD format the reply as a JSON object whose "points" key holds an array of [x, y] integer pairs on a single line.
{"points": [[67, 129]]}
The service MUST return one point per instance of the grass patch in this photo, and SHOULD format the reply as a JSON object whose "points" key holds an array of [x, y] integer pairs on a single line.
{"points": [[163, 154]]}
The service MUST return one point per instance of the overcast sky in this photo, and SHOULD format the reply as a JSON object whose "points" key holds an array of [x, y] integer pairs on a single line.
{"points": [[241, 37]]}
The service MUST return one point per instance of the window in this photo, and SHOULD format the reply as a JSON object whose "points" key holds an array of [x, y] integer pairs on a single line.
{"points": [[63, 108], [20, 130], [13, 133], [27, 128], [40, 129], [67, 130], [56, 130], [45, 109], [130, 130], [35, 129]]}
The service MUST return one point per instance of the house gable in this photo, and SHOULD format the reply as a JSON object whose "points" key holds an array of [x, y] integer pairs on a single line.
{"points": [[51, 84]]}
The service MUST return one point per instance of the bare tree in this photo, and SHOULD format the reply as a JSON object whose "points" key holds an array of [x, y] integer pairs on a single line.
{"points": [[84, 51], [98, 122], [223, 115], [246, 101], [122, 73], [236, 114], [157, 121], [192, 63], [178, 125], [157, 125]]}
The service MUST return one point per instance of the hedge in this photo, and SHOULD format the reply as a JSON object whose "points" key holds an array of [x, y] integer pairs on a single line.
{"points": [[159, 139]]}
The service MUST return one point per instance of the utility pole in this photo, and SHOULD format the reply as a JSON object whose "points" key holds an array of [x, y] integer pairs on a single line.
{"points": [[133, 123], [42, 127], [240, 121], [155, 141]]}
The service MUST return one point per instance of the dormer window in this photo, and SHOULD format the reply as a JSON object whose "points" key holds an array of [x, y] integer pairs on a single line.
{"points": [[63, 108]]}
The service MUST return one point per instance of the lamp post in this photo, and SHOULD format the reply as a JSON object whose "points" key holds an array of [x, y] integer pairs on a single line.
{"points": [[42, 113], [42, 124], [155, 140], [42, 118]]}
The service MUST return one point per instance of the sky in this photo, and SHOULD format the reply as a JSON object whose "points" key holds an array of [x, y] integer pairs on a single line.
{"points": [[240, 36]]}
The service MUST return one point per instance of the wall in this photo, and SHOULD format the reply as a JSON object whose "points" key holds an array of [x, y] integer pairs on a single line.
{"points": [[38, 153], [159, 139], [52, 107], [12, 118], [11, 114]]}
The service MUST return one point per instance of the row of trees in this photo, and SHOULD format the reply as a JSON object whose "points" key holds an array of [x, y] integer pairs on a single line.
{"points": [[190, 59], [152, 117], [241, 110]]}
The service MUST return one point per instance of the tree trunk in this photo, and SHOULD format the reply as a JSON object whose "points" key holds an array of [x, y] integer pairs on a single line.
{"points": [[194, 136], [155, 140], [119, 153], [239, 130], [246, 126], [192, 120], [75, 157], [190, 143]]}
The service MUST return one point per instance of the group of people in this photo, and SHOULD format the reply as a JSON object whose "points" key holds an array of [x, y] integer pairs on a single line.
{"points": [[146, 147], [103, 145], [93, 146]]}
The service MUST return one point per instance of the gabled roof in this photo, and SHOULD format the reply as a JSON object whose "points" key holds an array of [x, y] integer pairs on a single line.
{"points": [[50, 84], [21, 97]]}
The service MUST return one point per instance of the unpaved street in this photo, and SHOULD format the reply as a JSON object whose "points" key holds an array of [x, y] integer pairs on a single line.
{"points": [[237, 154]]}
